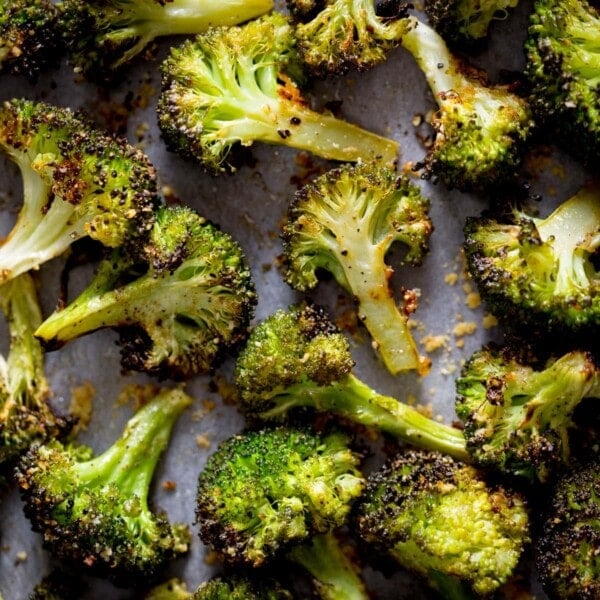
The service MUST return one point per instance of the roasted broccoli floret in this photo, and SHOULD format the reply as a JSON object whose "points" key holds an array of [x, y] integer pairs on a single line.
{"points": [[563, 65], [297, 358], [517, 416], [480, 128], [540, 271], [93, 512], [25, 413], [261, 492], [440, 519], [239, 85], [347, 34], [567, 556], [29, 35], [103, 36], [466, 22], [59, 585], [344, 222], [177, 315], [77, 182]]}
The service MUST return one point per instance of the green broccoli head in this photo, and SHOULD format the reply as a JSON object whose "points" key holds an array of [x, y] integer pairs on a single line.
{"points": [[26, 417], [344, 222], [567, 555], [562, 65], [93, 512], [517, 417], [465, 22], [77, 182], [239, 85], [540, 271], [480, 129], [265, 491], [29, 36], [439, 518], [177, 318], [347, 34], [105, 35], [241, 587]]}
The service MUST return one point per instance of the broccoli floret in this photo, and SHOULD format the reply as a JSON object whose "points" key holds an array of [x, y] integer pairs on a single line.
{"points": [[105, 35], [480, 129], [179, 316], [540, 271], [347, 34], [25, 413], [261, 492], [239, 85], [563, 66], [344, 222], [567, 556], [439, 518], [297, 358], [59, 585], [93, 512], [466, 22], [77, 182], [29, 36]]}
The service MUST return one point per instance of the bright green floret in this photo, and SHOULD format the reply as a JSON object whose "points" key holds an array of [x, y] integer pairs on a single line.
{"points": [[464, 22], [26, 416], [480, 129], [517, 417], [93, 512], [345, 222], [563, 65], [77, 182], [298, 358], [567, 556], [540, 271], [439, 518], [347, 34], [239, 85], [263, 492], [177, 317], [105, 35]]}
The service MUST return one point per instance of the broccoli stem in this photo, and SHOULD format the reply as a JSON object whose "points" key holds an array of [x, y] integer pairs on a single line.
{"points": [[356, 401], [334, 574], [130, 462]]}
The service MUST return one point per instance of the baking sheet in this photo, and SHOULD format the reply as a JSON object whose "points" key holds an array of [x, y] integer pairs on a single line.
{"points": [[250, 205]]}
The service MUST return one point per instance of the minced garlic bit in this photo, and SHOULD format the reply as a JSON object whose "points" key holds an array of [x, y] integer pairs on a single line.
{"points": [[464, 328], [81, 407], [489, 321], [203, 441]]}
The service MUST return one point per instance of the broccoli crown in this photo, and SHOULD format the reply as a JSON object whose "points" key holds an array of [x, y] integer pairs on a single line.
{"points": [[563, 66], [176, 319], [58, 585], [540, 271], [344, 222], [29, 37], [264, 491], [241, 587], [347, 34], [439, 518], [237, 85], [480, 129], [93, 511], [77, 182], [516, 416], [567, 555], [25, 414], [464, 22], [103, 36]]}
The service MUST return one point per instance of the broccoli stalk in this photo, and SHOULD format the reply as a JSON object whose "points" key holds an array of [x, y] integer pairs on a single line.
{"points": [[540, 271], [238, 85], [176, 318], [516, 417], [77, 182], [479, 128], [345, 222], [93, 511], [297, 358], [440, 519]]}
